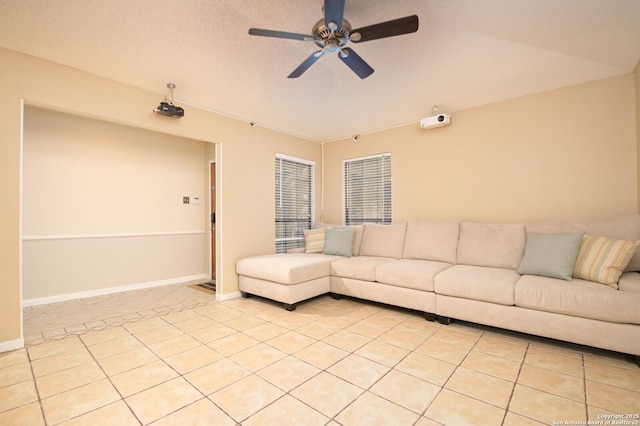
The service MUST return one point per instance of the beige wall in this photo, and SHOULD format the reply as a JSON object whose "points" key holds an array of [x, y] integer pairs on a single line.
{"points": [[560, 155], [84, 176], [91, 188], [245, 162]]}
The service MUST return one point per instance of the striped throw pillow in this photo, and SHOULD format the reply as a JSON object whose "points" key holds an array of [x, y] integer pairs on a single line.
{"points": [[314, 240], [602, 259]]}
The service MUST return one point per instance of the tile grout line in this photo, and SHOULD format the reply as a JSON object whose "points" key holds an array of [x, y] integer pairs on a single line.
{"points": [[324, 370], [515, 384], [110, 381], [301, 384], [255, 373], [458, 366], [115, 324], [179, 374], [584, 383], [35, 385], [353, 352]]}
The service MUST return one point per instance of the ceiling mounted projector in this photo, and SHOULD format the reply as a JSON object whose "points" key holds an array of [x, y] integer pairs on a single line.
{"points": [[438, 120], [167, 108], [170, 110]]}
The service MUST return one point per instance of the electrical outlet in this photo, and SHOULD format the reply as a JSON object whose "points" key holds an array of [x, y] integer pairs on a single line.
{"points": [[185, 200], [195, 199]]}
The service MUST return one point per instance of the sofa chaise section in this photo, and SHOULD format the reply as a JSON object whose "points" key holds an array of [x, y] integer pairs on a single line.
{"points": [[286, 278]]}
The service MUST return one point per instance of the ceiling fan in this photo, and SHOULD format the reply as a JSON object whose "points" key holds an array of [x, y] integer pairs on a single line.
{"points": [[333, 33]]}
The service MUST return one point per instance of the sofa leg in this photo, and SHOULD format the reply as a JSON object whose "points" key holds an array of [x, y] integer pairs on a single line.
{"points": [[638, 360], [429, 316], [444, 320], [335, 296], [245, 294], [289, 306]]}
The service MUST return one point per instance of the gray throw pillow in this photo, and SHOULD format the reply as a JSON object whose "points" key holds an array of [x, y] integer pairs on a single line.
{"points": [[339, 242], [551, 255]]}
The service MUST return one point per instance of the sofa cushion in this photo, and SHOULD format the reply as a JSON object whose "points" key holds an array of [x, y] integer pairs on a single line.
{"points": [[495, 245], [409, 273], [286, 268], [578, 298], [339, 242], [383, 240], [427, 240], [550, 255], [629, 281], [603, 259], [314, 240], [357, 238], [482, 283], [358, 268]]}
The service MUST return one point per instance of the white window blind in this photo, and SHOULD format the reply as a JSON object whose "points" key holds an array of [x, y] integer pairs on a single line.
{"points": [[294, 201], [367, 190]]}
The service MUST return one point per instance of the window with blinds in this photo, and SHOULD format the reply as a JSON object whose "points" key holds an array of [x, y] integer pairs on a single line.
{"points": [[294, 201], [367, 190]]}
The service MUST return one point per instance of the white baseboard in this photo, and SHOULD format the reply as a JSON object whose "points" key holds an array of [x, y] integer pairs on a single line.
{"points": [[110, 290], [228, 296], [11, 345]]}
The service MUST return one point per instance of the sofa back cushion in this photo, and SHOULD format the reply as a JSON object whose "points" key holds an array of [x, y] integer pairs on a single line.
{"points": [[383, 240], [357, 238], [494, 245], [431, 240]]}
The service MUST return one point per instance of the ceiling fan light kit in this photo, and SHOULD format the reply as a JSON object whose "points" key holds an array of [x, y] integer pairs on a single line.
{"points": [[333, 33]]}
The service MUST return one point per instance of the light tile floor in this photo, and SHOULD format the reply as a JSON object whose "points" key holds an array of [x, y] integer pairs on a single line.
{"points": [[173, 355]]}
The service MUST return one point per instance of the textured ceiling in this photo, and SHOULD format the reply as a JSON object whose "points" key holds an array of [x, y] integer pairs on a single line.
{"points": [[466, 53]]}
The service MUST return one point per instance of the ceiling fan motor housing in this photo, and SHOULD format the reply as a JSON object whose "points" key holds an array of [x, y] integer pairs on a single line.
{"points": [[331, 41]]}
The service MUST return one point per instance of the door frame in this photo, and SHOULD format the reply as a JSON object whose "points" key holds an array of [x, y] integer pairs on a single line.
{"points": [[210, 180], [219, 216]]}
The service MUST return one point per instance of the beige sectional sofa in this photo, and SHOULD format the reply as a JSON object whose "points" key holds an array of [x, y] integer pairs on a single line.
{"points": [[558, 280]]}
